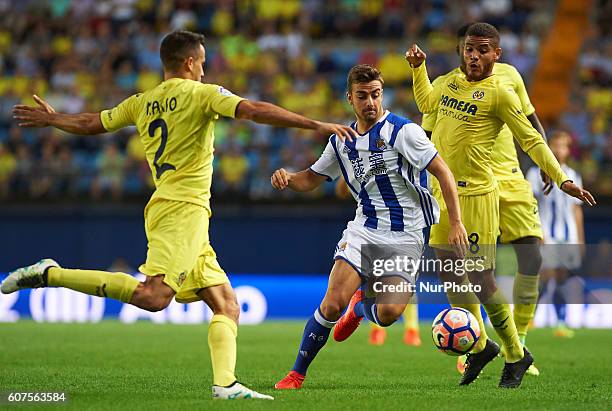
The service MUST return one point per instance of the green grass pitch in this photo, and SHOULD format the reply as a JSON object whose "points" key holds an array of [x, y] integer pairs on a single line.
{"points": [[145, 366]]}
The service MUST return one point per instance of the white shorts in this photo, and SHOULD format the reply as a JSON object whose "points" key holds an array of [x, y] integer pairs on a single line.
{"points": [[361, 247], [565, 256]]}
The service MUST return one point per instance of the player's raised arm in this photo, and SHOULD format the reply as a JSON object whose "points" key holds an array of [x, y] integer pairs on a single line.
{"points": [[268, 113], [509, 110], [426, 96], [305, 180], [44, 115]]}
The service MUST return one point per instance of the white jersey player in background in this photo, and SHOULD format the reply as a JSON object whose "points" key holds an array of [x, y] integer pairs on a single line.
{"points": [[562, 224], [381, 168]]}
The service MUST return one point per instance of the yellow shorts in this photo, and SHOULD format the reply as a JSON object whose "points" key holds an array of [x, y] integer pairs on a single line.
{"points": [[179, 248], [480, 216], [518, 211]]}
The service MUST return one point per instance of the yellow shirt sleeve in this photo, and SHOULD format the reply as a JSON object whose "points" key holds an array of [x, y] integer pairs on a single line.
{"points": [[120, 116], [509, 110], [426, 95], [521, 91], [429, 119], [216, 100]]}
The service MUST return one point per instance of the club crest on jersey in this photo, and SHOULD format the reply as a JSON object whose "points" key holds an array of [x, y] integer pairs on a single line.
{"points": [[478, 95], [380, 144]]}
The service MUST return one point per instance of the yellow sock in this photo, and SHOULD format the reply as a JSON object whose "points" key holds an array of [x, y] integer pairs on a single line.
{"points": [[222, 334], [525, 299], [411, 317], [469, 301], [119, 286], [500, 315]]}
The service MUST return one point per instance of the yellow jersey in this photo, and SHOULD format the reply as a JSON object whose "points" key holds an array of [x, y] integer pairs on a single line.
{"points": [[176, 121], [504, 160], [470, 116]]}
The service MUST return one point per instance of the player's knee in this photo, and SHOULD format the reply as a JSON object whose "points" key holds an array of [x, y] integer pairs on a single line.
{"points": [[332, 310], [152, 299], [389, 313], [528, 255]]}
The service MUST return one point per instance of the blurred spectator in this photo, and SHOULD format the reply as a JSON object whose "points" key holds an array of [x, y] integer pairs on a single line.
{"points": [[233, 168], [89, 55], [111, 172], [8, 163]]}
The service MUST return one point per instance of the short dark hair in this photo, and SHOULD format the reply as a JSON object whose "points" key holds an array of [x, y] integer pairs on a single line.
{"points": [[363, 73], [462, 30], [178, 46], [485, 30]]}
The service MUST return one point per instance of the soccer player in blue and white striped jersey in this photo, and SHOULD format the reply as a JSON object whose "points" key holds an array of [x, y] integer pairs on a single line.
{"points": [[563, 228], [381, 168]]}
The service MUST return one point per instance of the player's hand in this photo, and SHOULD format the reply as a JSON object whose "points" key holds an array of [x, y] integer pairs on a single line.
{"points": [[580, 193], [343, 132], [415, 56], [548, 183], [29, 116], [458, 239], [280, 179]]}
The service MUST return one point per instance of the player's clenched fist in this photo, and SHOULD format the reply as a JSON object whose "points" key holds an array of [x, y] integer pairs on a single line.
{"points": [[415, 56], [280, 179]]}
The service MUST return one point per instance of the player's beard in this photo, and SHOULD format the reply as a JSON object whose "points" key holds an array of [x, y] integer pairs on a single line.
{"points": [[370, 115]]}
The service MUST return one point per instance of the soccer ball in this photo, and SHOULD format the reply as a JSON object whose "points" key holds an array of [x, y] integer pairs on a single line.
{"points": [[455, 331]]}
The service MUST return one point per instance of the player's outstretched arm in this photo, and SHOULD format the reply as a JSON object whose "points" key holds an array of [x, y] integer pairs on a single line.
{"points": [[509, 110], [305, 180], [426, 95], [458, 236], [44, 115], [548, 182], [268, 113]]}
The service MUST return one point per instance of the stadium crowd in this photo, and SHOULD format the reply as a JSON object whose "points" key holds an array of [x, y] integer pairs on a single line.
{"points": [[88, 55]]}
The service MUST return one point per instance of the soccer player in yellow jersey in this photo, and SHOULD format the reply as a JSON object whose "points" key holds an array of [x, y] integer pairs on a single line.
{"points": [[175, 121], [518, 209], [471, 111]]}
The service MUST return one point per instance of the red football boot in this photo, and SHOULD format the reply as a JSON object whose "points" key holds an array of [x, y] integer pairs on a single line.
{"points": [[348, 323], [412, 337], [377, 336], [292, 381]]}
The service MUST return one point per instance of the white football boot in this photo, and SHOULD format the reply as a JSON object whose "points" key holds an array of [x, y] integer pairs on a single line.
{"points": [[237, 391], [32, 276]]}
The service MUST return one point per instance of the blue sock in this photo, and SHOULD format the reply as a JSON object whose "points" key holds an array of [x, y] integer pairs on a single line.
{"points": [[367, 308], [315, 336], [559, 303]]}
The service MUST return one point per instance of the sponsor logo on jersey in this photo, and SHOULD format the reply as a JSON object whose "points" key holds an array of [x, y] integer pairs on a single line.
{"points": [[462, 183], [478, 95], [459, 105], [346, 150], [453, 86]]}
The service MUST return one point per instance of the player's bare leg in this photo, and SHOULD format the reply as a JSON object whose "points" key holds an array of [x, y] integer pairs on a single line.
{"points": [[222, 333], [383, 310], [343, 282]]}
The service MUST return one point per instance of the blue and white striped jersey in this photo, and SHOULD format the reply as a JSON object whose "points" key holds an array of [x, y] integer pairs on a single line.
{"points": [[383, 171], [556, 210]]}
